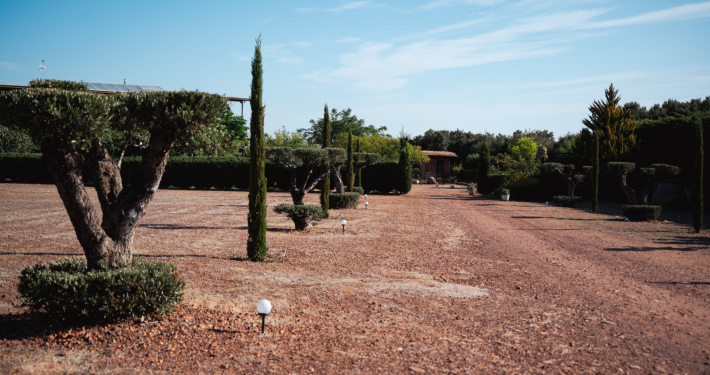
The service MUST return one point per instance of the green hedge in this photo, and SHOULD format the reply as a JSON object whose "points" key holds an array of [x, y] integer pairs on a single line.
{"points": [[566, 201], [198, 171], [382, 177], [642, 212], [344, 200], [67, 292], [24, 168]]}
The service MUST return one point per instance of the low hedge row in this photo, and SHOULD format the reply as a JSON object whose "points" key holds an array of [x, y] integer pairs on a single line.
{"points": [[199, 172], [65, 291], [566, 201], [642, 212]]}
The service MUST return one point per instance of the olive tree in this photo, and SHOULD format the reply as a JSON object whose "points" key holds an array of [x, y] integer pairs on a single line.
{"points": [[622, 169], [655, 174], [309, 160], [69, 126], [567, 172]]}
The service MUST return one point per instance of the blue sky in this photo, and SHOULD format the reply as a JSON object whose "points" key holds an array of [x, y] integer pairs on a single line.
{"points": [[476, 65]]}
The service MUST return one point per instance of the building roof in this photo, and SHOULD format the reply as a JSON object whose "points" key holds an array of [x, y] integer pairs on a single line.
{"points": [[110, 88], [440, 153]]}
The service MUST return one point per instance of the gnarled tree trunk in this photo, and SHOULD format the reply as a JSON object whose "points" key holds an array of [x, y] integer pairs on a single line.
{"points": [[630, 193], [107, 241]]}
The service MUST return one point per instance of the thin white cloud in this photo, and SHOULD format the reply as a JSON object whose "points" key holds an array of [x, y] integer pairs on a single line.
{"points": [[683, 12], [9, 66], [348, 40], [350, 6], [443, 3], [291, 60], [390, 65], [240, 56]]}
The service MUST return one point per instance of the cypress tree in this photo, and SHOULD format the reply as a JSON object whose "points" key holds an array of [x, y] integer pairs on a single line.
{"points": [[358, 178], [349, 162], [484, 166], [256, 243], [325, 184], [405, 166], [595, 174], [698, 178]]}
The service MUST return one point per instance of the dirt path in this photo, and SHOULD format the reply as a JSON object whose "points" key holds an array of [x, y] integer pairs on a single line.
{"points": [[431, 282]]}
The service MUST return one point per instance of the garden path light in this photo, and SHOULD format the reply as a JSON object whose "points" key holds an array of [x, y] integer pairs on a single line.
{"points": [[263, 307]]}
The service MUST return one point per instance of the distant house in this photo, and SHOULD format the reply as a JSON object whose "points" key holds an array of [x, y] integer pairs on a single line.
{"points": [[438, 166]]}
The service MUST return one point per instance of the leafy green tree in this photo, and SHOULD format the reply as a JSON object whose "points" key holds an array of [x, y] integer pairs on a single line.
{"points": [[325, 184], [615, 127], [256, 221], [284, 138], [698, 178], [349, 178], [341, 123], [387, 147], [69, 127], [235, 126], [524, 149], [16, 141]]}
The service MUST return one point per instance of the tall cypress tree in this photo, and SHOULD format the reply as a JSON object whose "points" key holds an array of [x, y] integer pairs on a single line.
{"points": [[405, 166], [256, 243], [698, 177], [358, 178], [484, 167], [349, 162], [325, 184], [595, 174]]}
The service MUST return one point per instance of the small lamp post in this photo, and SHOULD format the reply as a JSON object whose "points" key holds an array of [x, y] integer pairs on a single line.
{"points": [[343, 222], [365, 195], [263, 307], [284, 256], [366, 204]]}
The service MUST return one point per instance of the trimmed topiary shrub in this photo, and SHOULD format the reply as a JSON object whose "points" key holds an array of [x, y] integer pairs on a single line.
{"points": [[359, 190], [642, 212], [67, 292], [24, 168], [344, 200], [566, 200], [301, 215]]}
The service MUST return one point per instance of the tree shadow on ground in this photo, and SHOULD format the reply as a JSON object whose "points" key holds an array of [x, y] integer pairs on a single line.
{"points": [[176, 256], [36, 253], [703, 242], [687, 243], [179, 227], [24, 325], [681, 282]]}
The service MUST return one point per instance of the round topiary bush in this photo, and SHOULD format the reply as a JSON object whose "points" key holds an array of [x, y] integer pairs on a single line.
{"points": [[301, 214], [66, 291], [642, 212], [566, 201], [344, 200], [358, 190]]}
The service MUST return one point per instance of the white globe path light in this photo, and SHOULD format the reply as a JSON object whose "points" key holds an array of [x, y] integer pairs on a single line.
{"points": [[263, 307], [367, 204], [343, 222]]}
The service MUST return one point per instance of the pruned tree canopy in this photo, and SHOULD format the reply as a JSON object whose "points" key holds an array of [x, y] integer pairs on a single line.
{"points": [[308, 159], [70, 125]]}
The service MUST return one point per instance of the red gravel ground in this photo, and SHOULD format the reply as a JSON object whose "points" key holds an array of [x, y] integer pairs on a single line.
{"points": [[434, 281]]}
